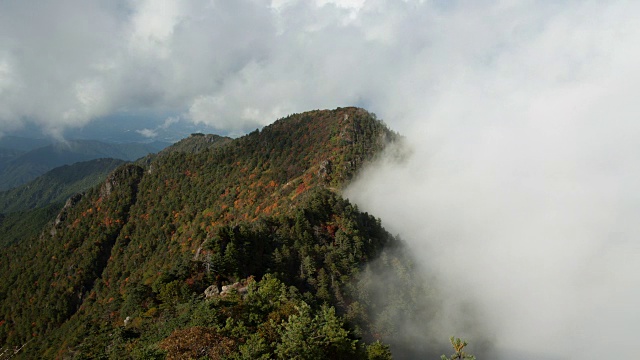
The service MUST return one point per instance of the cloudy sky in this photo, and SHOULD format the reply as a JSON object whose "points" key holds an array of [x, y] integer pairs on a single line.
{"points": [[233, 66], [521, 115], [237, 65]]}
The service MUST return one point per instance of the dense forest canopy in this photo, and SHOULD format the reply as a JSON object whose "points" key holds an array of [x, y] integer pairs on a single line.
{"points": [[214, 248]]}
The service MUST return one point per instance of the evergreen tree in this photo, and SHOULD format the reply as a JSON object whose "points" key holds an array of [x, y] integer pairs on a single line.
{"points": [[458, 348]]}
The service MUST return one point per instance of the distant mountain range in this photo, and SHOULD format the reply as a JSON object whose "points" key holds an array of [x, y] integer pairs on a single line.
{"points": [[57, 185], [22, 144], [22, 160]]}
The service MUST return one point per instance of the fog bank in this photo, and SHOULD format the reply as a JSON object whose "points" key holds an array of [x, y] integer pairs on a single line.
{"points": [[526, 200], [521, 193]]}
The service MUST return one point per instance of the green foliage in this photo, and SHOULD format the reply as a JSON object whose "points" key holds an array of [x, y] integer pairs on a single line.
{"points": [[458, 348], [378, 351], [57, 271], [308, 336], [196, 143], [25, 225], [121, 270], [57, 185]]}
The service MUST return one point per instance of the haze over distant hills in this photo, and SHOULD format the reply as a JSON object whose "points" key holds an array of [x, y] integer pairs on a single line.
{"points": [[25, 159], [120, 128], [22, 144]]}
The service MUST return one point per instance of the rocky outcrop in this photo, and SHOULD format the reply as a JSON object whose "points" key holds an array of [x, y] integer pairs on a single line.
{"points": [[238, 287], [211, 291], [122, 174], [62, 215]]}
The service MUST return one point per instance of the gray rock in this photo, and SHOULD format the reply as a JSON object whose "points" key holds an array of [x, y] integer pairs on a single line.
{"points": [[211, 291]]}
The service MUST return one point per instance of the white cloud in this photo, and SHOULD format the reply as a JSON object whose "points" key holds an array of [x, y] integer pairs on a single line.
{"points": [[153, 26], [521, 189], [5, 75], [148, 133], [170, 121]]}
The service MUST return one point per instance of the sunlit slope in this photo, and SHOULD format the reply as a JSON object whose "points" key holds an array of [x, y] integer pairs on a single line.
{"points": [[146, 243]]}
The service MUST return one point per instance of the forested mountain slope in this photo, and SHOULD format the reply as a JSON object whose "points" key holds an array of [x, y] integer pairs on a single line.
{"points": [[122, 271], [196, 143], [57, 185], [6, 155]]}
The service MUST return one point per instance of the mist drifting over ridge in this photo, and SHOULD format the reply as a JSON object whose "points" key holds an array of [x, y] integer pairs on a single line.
{"points": [[546, 247], [521, 193]]}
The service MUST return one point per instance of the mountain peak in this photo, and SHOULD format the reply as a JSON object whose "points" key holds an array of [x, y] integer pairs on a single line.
{"points": [[197, 142], [207, 210]]}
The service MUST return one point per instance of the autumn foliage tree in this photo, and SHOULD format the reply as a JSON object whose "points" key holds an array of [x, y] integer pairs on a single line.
{"points": [[122, 271]]}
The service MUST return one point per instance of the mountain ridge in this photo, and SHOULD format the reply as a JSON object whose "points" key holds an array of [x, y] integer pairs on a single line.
{"points": [[57, 185], [143, 244]]}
